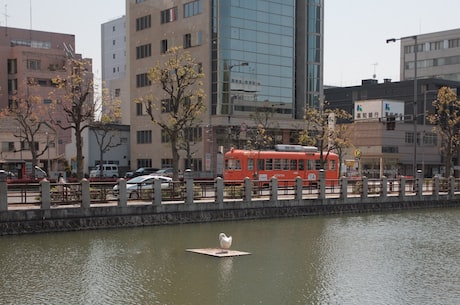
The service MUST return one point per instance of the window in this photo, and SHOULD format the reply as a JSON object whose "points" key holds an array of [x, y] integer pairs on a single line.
{"points": [[12, 66], [144, 51], [144, 163], [139, 109], [142, 80], [164, 46], [7, 146], [454, 43], [117, 92], [113, 42], [166, 106], [144, 22], [195, 165], [193, 8], [33, 64], [144, 136], [187, 41], [409, 138], [435, 45], [193, 134], [169, 15], [113, 55], [166, 163]]}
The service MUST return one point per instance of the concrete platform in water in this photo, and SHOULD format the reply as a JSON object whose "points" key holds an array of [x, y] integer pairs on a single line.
{"points": [[218, 252]]}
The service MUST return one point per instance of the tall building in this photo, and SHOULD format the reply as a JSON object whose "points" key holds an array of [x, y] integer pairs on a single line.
{"points": [[113, 57], [258, 56], [438, 55], [31, 59]]}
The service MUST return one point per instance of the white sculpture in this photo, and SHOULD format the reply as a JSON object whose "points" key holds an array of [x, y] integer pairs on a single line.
{"points": [[225, 241]]}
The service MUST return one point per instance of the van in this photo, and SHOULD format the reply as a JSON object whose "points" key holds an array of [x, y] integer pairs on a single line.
{"points": [[108, 171]]}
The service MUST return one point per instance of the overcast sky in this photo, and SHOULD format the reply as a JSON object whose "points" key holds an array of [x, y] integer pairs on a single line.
{"points": [[355, 30]]}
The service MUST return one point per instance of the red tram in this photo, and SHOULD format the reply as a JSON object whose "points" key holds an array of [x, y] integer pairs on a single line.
{"points": [[286, 162]]}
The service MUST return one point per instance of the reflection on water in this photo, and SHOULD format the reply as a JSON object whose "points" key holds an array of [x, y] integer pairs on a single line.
{"points": [[401, 258]]}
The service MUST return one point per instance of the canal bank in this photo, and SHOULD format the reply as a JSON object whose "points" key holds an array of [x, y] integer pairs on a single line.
{"points": [[59, 219], [244, 202]]}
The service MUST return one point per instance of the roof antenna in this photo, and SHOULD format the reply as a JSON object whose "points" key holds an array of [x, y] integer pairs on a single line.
{"points": [[375, 65], [6, 19]]}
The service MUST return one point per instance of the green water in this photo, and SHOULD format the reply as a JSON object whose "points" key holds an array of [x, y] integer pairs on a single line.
{"points": [[401, 258]]}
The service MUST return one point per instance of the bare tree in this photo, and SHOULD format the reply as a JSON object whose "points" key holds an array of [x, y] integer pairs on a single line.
{"points": [[181, 104], [447, 121], [321, 130], [77, 89], [105, 129], [28, 113]]}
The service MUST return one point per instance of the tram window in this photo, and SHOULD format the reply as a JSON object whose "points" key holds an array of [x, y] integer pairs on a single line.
{"points": [[317, 165], [260, 164], [310, 165], [301, 165], [332, 164], [277, 164], [285, 164], [293, 165], [269, 164], [232, 164], [250, 164]]}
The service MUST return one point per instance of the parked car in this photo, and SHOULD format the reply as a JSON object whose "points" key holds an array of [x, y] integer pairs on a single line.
{"points": [[8, 174], [137, 186], [108, 171], [128, 175], [144, 171], [168, 172]]}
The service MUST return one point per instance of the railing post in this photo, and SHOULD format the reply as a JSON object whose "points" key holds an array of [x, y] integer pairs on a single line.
{"points": [[298, 188], [384, 187], [4, 193], [344, 187], [274, 190], [85, 194], [122, 194], [451, 187], [402, 187], [365, 192], [188, 186], [436, 187], [322, 184], [157, 192], [45, 194], [247, 189], [419, 188], [219, 191]]}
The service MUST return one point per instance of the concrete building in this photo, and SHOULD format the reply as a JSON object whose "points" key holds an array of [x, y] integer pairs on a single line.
{"points": [[257, 56], [392, 151], [30, 60], [113, 59], [438, 55]]}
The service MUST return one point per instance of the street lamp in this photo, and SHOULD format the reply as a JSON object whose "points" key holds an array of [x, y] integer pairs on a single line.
{"points": [[414, 165]]}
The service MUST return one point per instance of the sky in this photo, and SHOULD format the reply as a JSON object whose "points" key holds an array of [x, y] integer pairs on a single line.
{"points": [[355, 45]]}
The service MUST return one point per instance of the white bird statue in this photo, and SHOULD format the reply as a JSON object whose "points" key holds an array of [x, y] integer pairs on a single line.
{"points": [[225, 241]]}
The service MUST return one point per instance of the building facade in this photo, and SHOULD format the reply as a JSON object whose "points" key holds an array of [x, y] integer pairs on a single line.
{"points": [[31, 59], [113, 60], [258, 57], [386, 146], [438, 55]]}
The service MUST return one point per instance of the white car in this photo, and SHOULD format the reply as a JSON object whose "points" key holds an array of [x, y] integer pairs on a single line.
{"points": [[142, 186]]}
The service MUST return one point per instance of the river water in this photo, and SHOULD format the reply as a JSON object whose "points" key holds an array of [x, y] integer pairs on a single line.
{"points": [[394, 258]]}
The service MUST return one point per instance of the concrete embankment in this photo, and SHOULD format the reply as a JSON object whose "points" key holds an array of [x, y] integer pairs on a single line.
{"points": [[58, 219]]}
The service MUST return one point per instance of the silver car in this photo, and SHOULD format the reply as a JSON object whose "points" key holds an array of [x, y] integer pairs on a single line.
{"points": [[142, 186]]}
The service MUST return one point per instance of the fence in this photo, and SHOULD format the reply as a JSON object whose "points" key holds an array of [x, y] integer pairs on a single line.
{"points": [[84, 194]]}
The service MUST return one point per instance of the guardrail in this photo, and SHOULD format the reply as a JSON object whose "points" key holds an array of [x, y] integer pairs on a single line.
{"points": [[83, 194]]}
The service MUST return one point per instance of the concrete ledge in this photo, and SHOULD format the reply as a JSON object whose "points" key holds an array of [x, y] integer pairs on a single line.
{"points": [[76, 218]]}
